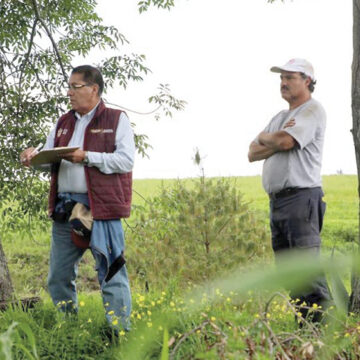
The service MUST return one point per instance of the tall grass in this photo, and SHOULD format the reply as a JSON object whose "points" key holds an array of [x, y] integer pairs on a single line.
{"points": [[227, 318], [216, 320]]}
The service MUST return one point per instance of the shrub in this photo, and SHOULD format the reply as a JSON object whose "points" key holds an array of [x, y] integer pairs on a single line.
{"points": [[194, 233], [23, 208]]}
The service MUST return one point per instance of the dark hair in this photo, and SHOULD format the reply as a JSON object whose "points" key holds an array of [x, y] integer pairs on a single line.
{"points": [[91, 75], [312, 82]]}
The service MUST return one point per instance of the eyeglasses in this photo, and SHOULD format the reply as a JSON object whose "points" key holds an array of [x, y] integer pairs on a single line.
{"points": [[77, 86]]}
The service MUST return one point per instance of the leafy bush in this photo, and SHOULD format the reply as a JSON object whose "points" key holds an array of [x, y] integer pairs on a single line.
{"points": [[193, 233], [23, 208]]}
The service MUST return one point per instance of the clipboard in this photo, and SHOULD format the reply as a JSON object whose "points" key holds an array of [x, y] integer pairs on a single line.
{"points": [[51, 155]]}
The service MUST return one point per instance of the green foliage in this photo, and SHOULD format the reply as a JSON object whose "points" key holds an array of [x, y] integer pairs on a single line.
{"points": [[28, 251], [219, 319], [17, 208], [20, 337], [6, 343], [226, 319], [161, 4], [165, 347], [166, 101], [193, 233]]}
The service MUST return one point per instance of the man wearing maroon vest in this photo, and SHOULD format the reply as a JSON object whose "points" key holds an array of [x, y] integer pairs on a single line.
{"points": [[98, 175]]}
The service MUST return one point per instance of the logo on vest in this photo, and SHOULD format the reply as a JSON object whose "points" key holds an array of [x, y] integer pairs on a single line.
{"points": [[59, 132], [101, 131]]}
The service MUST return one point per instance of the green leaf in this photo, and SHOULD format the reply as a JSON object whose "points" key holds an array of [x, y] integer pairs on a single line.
{"points": [[165, 346]]}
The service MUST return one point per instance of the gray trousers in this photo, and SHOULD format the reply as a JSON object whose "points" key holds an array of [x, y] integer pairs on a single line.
{"points": [[296, 222]]}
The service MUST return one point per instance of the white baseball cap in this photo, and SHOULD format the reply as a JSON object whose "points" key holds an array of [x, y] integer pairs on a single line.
{"points": [[296, 65]]}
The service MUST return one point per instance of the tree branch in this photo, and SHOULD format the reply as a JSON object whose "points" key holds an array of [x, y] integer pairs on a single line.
{"points": [[276, 340], [37, 14], [133, 111], [26, 59]]}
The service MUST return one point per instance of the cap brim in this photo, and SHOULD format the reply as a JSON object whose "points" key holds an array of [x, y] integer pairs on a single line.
{"points": [[277, 69]]}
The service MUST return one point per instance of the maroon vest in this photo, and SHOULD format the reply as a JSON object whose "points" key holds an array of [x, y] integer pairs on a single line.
{"points": [[109, 194]]}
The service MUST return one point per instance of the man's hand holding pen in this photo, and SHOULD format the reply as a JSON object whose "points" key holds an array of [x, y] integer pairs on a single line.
{"points": [[28, 154]]}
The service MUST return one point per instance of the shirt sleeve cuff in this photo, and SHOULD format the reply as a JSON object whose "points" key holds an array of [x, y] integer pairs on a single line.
{"points": [[94, 158]]}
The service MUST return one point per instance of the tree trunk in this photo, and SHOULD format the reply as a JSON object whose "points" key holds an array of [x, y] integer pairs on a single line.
{"points": [[6, 288], [354, 305]]}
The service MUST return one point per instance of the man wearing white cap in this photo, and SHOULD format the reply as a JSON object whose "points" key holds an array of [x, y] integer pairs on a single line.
{"points": [[291, 145]]}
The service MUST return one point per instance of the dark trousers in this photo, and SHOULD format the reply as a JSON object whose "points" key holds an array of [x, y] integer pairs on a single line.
{"points": [[296, 220]]}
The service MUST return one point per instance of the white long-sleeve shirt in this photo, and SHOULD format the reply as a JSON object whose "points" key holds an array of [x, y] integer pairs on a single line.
{"points": [[72, 175]]}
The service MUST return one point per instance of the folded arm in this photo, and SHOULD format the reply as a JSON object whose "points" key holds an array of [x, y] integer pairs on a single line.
{"points": [[278, 141], [259, 152], [270, 143]]}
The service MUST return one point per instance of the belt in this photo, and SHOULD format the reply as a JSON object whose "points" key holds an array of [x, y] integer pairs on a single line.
{"points": [[285, 192]]}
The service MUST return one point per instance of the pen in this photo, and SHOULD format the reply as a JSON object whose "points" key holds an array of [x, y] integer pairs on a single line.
{"points": [[37, 149]]}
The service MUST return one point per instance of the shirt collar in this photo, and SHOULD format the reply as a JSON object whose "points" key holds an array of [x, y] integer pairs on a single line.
{"points": [[88, 115]]}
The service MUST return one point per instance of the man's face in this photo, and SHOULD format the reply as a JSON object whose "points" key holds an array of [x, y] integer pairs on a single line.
{"points": [[293, 85], [83, 96]]}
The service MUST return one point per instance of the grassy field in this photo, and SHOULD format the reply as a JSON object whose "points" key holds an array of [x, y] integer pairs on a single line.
{"points": [[224, 320], [341, 219]]}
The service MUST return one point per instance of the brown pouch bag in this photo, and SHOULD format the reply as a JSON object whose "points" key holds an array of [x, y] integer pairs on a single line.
{"points": [[81, 222]]}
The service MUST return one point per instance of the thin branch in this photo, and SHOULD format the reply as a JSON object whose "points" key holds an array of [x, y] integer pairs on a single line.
{"points": [[40, 80], [51, 39], [292, 308], [22, 68], [290, 337], [136, 192], [224, 225], [276, 340], [133, 111], [186, 335]]}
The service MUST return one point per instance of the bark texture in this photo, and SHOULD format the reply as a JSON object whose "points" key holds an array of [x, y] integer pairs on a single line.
{"points": [[354, 305], [6, 288]]}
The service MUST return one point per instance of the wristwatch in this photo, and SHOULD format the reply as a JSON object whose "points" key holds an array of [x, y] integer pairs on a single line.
{"points": [[86, 158]]}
